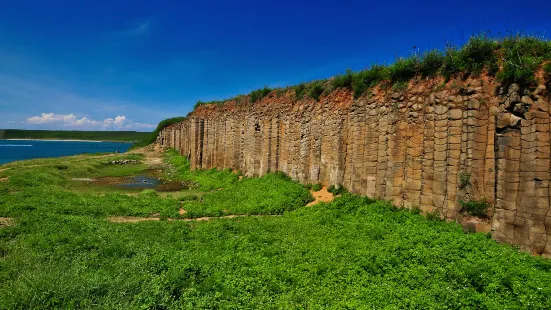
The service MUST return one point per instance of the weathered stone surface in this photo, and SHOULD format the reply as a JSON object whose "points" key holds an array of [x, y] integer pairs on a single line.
{"points": [[410, 148]]}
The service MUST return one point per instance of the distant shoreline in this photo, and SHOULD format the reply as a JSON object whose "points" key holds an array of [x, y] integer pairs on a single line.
{"points": [[67, 140]]}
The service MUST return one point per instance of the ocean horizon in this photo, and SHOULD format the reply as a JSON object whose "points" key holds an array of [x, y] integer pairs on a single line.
{"points": [[23, 149]]}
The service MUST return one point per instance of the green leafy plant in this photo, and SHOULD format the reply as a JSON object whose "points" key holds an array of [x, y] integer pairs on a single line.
{"points": [[260, 93], [521, 58], [337, 189], [478, 53], [404, 69], [316, 90], [300, 89], [343, 80], [366, 79], [464, 179], [316, 187], [400, 86], [431, 63]]}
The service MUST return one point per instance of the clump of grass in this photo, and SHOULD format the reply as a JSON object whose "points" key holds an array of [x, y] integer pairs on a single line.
{"points": [[521, 58], [404, 69], [400, 86], [343, 80], [475, 208], [337, 189], [464, 179], [300, 89], [478, 53], [368, 78], [431, 63], [316, 90], [260, 93]]}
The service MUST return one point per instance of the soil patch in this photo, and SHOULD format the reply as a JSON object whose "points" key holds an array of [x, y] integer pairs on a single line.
{"points": [[321, 196], [152, 153], [6, 221], [4, 179]]}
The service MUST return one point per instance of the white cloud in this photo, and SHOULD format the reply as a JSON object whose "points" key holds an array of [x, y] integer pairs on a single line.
{"points": [[70, 121]]}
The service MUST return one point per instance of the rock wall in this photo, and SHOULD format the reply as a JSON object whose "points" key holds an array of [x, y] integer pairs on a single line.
{"points": [[429, 147]]}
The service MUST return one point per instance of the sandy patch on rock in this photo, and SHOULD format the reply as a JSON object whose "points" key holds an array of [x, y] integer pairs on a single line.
{"points": [[321, 196]]}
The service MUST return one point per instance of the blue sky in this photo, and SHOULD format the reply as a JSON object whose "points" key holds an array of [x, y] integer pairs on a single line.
{"points": [[129, 64]]}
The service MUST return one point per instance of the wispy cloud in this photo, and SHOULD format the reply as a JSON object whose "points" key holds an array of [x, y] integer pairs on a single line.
{"points": [[142, 28], [71, 121]]}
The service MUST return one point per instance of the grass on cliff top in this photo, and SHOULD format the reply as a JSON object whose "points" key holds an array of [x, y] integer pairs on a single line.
{"points": [[352, 253], [512, 59]]}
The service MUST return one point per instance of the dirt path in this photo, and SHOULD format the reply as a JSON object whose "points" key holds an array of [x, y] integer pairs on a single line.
{"points": [[321, 196], [135, 219], [152, 153]]}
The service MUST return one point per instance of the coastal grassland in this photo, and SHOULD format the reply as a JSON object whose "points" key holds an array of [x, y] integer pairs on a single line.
{"points": [[352, 253], [121, 136]]}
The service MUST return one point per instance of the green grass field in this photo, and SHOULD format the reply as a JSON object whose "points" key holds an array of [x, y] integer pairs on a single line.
{"points": [[353, 253], [122, 136]]}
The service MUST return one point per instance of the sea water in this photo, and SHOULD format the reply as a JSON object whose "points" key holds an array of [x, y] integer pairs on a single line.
{"points": [[12, 150]]}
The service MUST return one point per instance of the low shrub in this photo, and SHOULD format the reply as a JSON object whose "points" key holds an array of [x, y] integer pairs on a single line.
{"points": [[316, 90], [478, 53], [343, 80], [475, 208], [404, 69], [431, 63], [260, 93], [366, 79], [300, 89], [464, 179], [337, 189], [316, 187]]}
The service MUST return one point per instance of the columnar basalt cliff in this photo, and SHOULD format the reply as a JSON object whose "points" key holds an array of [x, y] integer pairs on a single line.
{"points": [[430, 146]]}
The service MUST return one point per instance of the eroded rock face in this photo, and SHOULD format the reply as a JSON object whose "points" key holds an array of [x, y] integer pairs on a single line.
{"points": [[412, 148]]}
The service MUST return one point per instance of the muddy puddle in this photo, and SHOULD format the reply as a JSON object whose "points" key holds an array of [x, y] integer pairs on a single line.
{"points": [[149, 180], [142, 182]]}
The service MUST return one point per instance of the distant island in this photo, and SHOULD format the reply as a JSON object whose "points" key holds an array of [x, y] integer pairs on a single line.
{"points": [[119, 136]]}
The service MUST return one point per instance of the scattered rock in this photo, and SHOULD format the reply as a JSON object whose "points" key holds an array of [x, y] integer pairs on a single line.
{"points": [[123, 162]]}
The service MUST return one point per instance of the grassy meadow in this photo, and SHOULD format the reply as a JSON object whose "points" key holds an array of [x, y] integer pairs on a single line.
{"points": [[62, 251]]}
